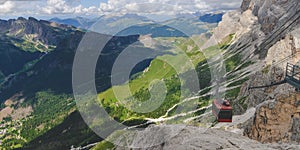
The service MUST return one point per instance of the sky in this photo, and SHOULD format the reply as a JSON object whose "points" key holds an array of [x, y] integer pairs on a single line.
{"points": [[88, 3], [95, 8]]}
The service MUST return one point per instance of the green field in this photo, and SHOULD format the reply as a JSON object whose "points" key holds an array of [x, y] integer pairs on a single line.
{"points": [[185, 56]]}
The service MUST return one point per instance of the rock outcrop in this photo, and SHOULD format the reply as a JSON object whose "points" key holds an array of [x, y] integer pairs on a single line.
{"points": [[277, 120], [276, 41], [170, 137], [285, 50], [277, 108], [273, 14], [258, 26]]}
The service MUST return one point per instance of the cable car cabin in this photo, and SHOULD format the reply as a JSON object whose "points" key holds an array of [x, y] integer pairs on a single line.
{"points": [[222, 110]]}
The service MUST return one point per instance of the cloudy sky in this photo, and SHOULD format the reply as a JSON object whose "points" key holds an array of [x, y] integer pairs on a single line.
{"points": [[71, 8]]}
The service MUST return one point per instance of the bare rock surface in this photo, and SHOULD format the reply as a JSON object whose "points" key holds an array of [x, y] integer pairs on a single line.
{"points": [[196, 138], [277, 120], [267, 33], [277, 113]]}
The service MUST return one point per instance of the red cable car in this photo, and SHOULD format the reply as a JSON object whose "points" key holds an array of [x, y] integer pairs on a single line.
{"points": [[222, 110]]}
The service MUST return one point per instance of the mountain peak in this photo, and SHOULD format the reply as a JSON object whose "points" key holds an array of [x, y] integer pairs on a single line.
{"points": [[33, 30], [22, 19], [32, 19]]}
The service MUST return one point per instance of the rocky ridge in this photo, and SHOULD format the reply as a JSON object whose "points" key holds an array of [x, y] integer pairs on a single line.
{"points": [[48, 33]]}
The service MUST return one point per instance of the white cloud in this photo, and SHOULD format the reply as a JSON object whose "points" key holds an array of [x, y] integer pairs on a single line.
{"points": [[64, 7], [4, 1], [6, 7], [144, 7], [167, 6], [224, 4]]}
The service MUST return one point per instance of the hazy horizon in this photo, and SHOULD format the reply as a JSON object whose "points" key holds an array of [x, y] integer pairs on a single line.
{"points": [[153, 9]]}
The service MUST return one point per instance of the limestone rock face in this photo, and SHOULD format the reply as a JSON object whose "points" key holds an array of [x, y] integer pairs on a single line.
{"points": [[277, 108], [285, 50], [270, 40], [233, 22], [195, 138], [277, 120], [259, 27], [272, 13]]}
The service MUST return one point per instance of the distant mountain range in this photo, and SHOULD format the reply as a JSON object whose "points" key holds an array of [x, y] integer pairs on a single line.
{"points": [[108, 23], [211, 18], [78, 22], [131, 24]]}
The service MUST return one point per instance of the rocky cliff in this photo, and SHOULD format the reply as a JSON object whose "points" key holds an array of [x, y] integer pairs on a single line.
{"points": [[277, 108], [271, 42], [277, 119], [261, 27]]}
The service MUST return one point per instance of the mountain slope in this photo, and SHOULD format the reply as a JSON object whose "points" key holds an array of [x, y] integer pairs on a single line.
{"points": [[48, 82], [73, 131], [25, 43], [264, 37], [28, 39]]}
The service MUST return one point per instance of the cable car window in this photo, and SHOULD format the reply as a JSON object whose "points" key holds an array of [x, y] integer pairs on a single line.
{"points": [[225, 114]]}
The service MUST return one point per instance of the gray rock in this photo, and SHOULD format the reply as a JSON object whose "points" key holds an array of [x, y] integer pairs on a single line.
{"points": [[296, 129], [196, 138]]}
